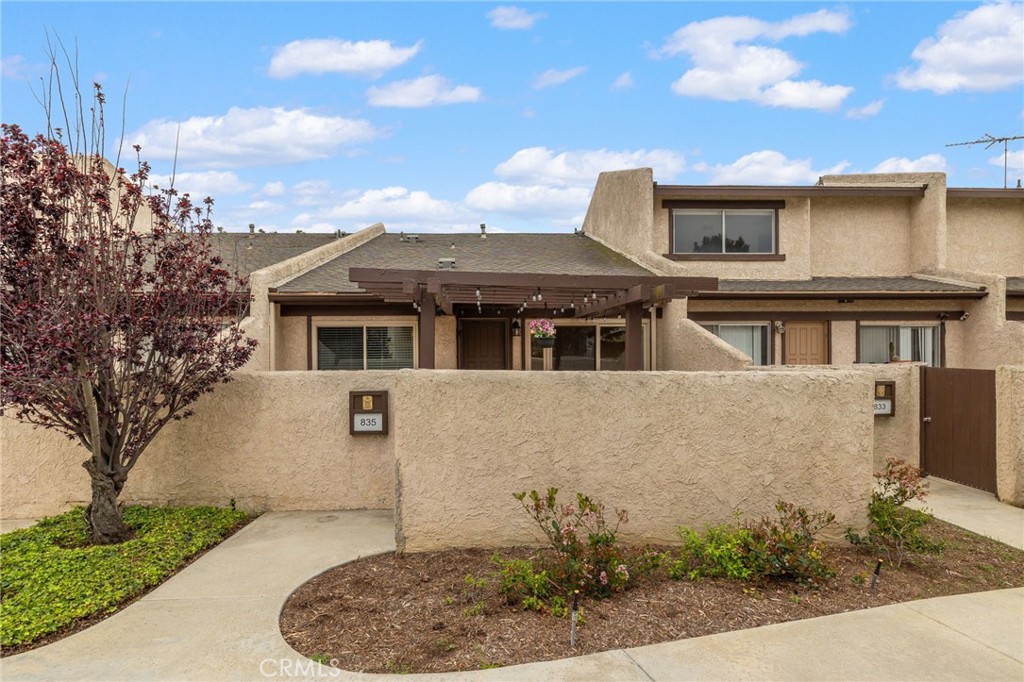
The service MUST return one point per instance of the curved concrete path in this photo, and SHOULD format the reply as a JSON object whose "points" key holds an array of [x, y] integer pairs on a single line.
{"points": [[218, 620]]}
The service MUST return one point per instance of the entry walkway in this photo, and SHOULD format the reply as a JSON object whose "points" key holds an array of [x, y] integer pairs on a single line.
{"points": [[218, 620], [976, 510]]}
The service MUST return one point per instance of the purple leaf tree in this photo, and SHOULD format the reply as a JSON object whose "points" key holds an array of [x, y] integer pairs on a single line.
{"points": [[116, 313]]}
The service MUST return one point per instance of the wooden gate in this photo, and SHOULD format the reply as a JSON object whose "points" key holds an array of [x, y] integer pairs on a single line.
{"points": [[958, 425]]}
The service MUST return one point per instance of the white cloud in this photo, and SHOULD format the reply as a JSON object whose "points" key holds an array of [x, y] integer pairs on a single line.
{"points": [[624, 81], [273, 189], [538, 201], [553, 77], [251, 137], [901, 164], [978, 50], [202, 184], [265, 206], [866, 111], [727, 66], [508, 18], [427, 91], [1014, 161], [15, 66], [767, 167], [332, 55], [540, 165], [396, 207]]}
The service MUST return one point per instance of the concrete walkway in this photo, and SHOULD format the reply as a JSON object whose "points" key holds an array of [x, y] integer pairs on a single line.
{"points": [[218, 620], [976, 510]]}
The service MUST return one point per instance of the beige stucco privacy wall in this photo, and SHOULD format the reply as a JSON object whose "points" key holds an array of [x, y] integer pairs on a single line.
{"points": [[270, 441], [671, 448], [1010, 434]]}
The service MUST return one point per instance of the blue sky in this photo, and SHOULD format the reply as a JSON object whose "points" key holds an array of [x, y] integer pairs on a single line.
{"points": [[439, 116]]}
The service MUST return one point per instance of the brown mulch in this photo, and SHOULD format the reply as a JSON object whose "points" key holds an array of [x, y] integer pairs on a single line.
{"points": [[416, 613]]}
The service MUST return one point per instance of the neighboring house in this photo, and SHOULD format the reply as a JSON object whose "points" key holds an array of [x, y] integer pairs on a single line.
{"points": [[858, 268]]}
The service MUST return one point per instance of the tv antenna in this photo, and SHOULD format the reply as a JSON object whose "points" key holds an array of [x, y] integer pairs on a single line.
{"points": [[988, 141]]}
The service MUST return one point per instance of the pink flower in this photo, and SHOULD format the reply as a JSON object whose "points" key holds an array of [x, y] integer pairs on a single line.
{"points": [[604, 578]]}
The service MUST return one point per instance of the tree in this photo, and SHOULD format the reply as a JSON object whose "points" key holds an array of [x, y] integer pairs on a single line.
{"points": [[116, 315]]}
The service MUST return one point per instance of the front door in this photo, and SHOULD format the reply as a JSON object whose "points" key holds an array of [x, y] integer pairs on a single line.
{"points": [[806, 343], [483, 345]]}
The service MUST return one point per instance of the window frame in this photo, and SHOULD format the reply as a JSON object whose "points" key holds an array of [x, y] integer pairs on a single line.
{"points": [[672, 205], [364, 322], [596, 324], [769, 326], [937, 327]]}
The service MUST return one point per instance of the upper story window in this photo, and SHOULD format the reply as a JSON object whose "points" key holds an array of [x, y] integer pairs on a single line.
{"points": [[702, 230], [726, 230]]}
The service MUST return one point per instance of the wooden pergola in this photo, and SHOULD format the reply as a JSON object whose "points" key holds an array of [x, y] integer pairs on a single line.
{"points": [[526, 295]]}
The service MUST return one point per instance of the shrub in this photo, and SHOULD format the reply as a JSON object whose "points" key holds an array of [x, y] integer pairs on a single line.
{"points": [[587, 556], [894, 529], [783, 547], [522, 582]]}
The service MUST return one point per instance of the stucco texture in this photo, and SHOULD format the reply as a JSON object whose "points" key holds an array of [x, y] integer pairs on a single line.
{"points": [[986, 235], [270, 441], [1010, 435], [671, 448], [686, 346], [854, 238]]}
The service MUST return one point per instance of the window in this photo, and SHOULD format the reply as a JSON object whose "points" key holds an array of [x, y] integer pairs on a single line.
{"points": [[751, 339], [587, 347], [727, 230], [365, 347], [886, 343]]}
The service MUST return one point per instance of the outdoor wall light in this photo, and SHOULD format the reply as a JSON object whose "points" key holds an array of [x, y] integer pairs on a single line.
{"points": [[517, 329], [780, 328]]}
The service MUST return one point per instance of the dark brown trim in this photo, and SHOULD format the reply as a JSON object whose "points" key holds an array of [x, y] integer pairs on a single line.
{"points": [[1015, 315], [836, 316], [828, 341], [856, 345], [724, 256], [322, 297], [309, 342], [841, 296], [1015, 293], [942, 343], [776, 192], [399, 309], [983, 193], [427, 331], [712, 203]]}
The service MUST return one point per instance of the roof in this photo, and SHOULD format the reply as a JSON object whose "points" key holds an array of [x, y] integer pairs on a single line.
{"points": [[779, 191], [246, 253], [550, 254], [984, 193], [1015, 285], [842, 287]]}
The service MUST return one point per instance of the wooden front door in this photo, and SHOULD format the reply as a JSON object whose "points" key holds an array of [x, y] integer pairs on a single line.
{"points": [[958, 425], [483, 344], [806, 343]]}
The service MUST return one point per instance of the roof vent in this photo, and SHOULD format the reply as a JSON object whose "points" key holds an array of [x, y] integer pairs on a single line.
{"points": [[483, 230], [414, 238], [445, 263], [252, 228]]}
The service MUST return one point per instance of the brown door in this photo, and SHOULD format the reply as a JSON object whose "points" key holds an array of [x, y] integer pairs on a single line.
{"points": [[958, 425], [806, 343], [483, 345]]}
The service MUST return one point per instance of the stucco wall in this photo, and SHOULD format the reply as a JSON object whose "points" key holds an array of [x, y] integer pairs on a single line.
{"points": [[270, 441], [986, 235], [671, 448], [1010, 435], [684, 345], [858, 238], [987, 339], [619, 214]]}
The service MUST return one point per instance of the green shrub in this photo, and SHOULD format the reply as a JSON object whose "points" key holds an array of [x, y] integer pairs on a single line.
{"points": [[894, 529], [54, 557], [523, 583], [782, 547]]}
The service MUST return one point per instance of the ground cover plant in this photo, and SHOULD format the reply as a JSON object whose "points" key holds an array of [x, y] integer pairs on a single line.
{"points": [[469, 609], [53, 580]]}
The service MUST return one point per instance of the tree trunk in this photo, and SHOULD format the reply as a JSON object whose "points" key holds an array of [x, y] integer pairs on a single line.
{"points": [[106, 525]]}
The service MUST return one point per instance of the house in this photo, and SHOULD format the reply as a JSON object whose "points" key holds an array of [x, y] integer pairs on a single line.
{"points": [[854, 269]]}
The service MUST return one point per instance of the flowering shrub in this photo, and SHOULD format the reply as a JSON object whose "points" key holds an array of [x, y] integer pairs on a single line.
{"points": [[542, 329], [783, 547], [586, 555], [894, 529]]}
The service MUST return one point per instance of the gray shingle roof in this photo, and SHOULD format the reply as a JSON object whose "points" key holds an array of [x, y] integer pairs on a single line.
{"points": [[841, 284], [246, 252], [1015, 284], [561, 254]]}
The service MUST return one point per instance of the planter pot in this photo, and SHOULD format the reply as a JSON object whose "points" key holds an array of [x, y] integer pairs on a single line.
{"points": [[544, 342]]}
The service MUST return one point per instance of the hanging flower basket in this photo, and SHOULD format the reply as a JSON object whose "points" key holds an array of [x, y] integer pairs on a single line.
{"points": [[543, 333]]}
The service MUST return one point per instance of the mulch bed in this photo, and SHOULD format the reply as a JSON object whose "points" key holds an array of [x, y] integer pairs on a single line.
{"points": [[416, 613]]}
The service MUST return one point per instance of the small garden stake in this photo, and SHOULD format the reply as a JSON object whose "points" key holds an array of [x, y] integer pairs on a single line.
{"points": [[575, 615], [874, 576]]}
